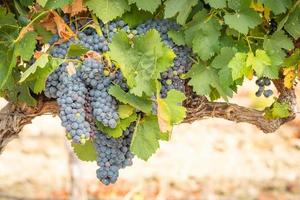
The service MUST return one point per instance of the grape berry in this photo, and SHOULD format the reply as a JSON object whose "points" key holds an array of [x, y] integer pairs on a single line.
{"points": [[262, 83]]}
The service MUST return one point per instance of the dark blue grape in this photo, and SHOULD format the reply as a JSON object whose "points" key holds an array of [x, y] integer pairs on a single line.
{"points": [[268, 93]]}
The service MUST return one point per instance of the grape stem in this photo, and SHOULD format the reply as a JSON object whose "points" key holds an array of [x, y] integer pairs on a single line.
{"points": [[97, 26]]}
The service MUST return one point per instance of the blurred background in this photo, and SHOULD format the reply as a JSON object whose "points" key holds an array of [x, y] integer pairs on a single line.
{"points": [[209, 159]]}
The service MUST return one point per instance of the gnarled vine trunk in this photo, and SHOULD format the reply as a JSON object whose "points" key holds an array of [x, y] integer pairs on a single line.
{"points": [[13, 118]]}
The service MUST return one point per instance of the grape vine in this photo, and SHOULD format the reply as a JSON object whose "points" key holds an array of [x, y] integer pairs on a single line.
{"points": [[123, 74]]}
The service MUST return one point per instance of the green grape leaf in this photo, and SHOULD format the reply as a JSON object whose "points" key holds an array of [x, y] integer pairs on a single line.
{"points": [[54, 4], [141, 60], [42, 74], [170, 110], [42, 2], [9, 29], [26, 46], [177, 37], [25, 96], [292, 24], [39, 71], [7, 62], [261, 64], [122, 126], [125, 111], [278, 41], [39, 63], [182, 7], [135, 17], [225, 56], [221, 63], [18, 93], [238, 5], [139, 103], [26, 2], [147, 5], [206, 45], [107, 10], [208, 30], [203, 79], [277, 111], [238, 65], [41, 31], [243, 20], [7, 18], [76, 50], [145, 140], [216, 3], [85, 152], [293, 59], [274, 46], [277, 6]]}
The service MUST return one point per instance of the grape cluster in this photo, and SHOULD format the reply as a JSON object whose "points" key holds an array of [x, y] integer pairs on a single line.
{"points": [[113, 154], [72, 107], [83, 97], [262, 83], [104, 106]]}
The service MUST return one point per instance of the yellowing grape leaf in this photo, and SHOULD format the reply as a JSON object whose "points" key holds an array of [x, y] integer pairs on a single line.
{"points": [[289, 76], [170, 110], [125, 111], [261, 64]]}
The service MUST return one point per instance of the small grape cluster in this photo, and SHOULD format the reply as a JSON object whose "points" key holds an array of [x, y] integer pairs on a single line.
{"points": [[262, 83], [72, 105], [114, 154]]}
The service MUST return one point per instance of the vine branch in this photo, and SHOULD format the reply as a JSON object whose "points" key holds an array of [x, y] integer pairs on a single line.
{"points": [[14, 118], [198, 107]]}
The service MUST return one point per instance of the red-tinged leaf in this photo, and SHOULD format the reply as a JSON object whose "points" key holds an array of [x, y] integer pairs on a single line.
{"points": [[75, 8]]}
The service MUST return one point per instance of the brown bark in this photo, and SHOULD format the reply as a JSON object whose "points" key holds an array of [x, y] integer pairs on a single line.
{"points": [[13, 118], [198, 107]]}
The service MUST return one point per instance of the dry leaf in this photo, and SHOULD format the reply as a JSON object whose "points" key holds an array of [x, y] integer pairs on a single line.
{"points": [[64, 31], [71, 69], [289, 76], [94, 55], [75, 8], [49, 24]]}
